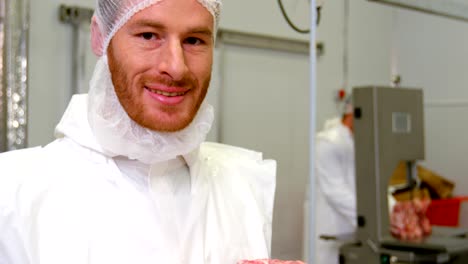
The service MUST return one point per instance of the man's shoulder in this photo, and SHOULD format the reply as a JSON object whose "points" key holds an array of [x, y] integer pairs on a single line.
{"points": [[338, 134], [231, 160], [16, 168], [22, 166], [20, 152], [225, 151], [244, 178], [236, 165], [25, 174], [36, 162], [19, 159]]}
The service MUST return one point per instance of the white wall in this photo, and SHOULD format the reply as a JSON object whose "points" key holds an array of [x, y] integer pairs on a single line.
{"points": [[264, 16], [433, 55], [265, 107], [49, 68], [369, 45]]}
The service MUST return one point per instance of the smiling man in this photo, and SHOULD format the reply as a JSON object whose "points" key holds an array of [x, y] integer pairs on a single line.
{"points": [[129, 179], [163, 63]]}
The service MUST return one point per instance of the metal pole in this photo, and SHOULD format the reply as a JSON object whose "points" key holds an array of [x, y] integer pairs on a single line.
{"points": [[312, 125], [3, 83], [15, 63], [75, 60], [76, 16]]}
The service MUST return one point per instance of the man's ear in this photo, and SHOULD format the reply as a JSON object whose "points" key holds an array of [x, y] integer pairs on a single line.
{"points": [[97, 40]]}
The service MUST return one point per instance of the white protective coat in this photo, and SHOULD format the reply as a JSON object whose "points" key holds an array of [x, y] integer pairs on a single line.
{"points": [[70, 203], [336, 192]]}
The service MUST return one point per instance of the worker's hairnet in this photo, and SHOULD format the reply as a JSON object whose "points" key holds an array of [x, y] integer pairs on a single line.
{"points": [[347, 106], [111, 15]]}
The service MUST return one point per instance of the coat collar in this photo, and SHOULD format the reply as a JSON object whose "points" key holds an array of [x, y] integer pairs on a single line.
{"points": [[74, 125]]}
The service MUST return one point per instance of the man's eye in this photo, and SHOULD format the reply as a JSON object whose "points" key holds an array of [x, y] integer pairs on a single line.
{"points": [[148, 36], [194, 41]]}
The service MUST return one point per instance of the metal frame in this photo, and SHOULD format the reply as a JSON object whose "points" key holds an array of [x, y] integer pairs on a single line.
{"points": [[77, 17], [447, 103], [312, 233], [13, 95], [267, 42], [3, 108]]}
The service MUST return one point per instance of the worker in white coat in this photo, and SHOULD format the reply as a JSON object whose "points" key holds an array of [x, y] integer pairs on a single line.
{"points": [[129, 179], [335, 178]]}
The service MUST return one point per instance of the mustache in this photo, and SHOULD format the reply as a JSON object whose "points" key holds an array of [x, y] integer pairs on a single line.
{"points": [[185, 82]]}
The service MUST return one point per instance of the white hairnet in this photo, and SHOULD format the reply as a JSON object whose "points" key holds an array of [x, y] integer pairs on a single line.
{"points": [[113, 14], [347, 106]]}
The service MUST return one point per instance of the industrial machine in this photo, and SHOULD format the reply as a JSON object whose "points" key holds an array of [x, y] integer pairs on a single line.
{"points": [[389, 129]]}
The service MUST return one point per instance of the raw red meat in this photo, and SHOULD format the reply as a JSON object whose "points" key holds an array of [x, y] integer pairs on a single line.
{"points": [[409, 221], [270, 261]]}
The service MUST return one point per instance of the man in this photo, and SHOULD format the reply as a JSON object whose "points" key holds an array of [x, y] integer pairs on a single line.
{"points": [[336, 195], [128, 179]]}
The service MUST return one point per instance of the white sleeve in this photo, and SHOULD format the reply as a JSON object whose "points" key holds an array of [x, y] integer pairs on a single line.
{"points": [[12, 249], [15, 166], [11, 246], [331, 180], [263, 179]]}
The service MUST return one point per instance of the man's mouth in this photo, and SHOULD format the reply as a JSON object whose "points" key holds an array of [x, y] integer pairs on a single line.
{"points": [[168, 94]]}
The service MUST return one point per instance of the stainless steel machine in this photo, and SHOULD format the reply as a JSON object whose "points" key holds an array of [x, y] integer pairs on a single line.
{"points": [[389, 129]]}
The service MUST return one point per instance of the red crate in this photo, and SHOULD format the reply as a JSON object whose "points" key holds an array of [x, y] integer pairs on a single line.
{"points": [[446, 212]]}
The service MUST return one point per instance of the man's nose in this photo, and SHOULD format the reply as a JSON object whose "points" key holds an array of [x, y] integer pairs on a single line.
{"points": [[172, 60]]}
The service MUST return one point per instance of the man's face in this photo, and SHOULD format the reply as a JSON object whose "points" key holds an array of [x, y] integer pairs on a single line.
{"points": [[160, 62]]}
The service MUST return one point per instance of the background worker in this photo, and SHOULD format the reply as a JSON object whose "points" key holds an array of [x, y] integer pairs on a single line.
{"points": [[335, 175]]}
